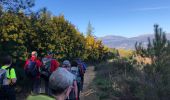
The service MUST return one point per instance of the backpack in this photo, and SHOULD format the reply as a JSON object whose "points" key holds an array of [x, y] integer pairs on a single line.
{"points": [[82, 65], [45, 69], [76, 72], [3, 75], [31, 69], [81, 70]]}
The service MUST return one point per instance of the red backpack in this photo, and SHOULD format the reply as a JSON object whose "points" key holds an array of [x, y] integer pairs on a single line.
{"points": [[81, 70]]}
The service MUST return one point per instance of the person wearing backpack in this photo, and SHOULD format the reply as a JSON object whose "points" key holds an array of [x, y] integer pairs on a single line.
{"points": [[67, 65], [7, 79], [76, 70], [82, 66], [74, 91], [49, 65], [32, 69], [60, 83]]}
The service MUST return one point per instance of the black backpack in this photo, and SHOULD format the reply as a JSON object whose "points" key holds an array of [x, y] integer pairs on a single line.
{"points": [[31, 69], [45, 69]]}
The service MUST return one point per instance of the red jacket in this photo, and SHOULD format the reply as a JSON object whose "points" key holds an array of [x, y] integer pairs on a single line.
{"points": [[38, 64], [54, 64]]}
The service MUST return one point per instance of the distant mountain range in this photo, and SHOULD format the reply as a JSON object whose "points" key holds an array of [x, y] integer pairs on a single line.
{"points": [[126, 43]]}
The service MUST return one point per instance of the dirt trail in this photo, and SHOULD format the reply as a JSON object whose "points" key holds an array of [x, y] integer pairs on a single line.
{"points": [[88, 93]]}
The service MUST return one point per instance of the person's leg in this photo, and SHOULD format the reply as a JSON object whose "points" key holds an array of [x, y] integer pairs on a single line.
{"points": [[79, 89], [30, 85], [11, 93], [46, 87], [82, 83], [42, 85], [2, 94], [36, 86], [8, 93]]}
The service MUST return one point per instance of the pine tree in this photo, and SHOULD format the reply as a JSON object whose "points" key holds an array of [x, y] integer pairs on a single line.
{"points": [[158, 72], [90, 29], [17, 5]]}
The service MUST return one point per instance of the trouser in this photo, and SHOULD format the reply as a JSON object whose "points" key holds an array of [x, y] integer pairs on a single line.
{"points": [[47, 89], [35, 86], [7, 93], [82, 83], [79, 86]]}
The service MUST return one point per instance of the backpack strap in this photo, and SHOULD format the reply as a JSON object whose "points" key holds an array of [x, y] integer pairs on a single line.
{"points": [[9, 70]]}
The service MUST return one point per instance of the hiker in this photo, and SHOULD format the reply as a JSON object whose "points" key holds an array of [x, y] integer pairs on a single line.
{"points": [[7, 79], [82, 66], [49, 65], [66, 64], [32, 69], [60, 83], [74, 92], [78, 74]]}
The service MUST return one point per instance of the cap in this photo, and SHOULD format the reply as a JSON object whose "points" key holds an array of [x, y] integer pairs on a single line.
{"points": [[66, 62]]}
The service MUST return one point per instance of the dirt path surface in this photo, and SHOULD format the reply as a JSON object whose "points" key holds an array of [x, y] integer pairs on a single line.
{"points": [[88, 92]]}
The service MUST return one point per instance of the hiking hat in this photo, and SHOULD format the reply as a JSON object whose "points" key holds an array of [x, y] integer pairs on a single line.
{"points": [[60, 80], [34, 53], [66, 62]]}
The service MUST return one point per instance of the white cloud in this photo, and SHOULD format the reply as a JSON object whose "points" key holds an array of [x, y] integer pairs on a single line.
{"points": [[151, 8]]}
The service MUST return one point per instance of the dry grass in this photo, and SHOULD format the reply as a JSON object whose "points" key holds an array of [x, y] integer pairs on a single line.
{"points": [[143, 60], [125, 53]]}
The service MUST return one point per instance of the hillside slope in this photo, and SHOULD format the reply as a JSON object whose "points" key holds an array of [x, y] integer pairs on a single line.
{"points": [[126, 43]]}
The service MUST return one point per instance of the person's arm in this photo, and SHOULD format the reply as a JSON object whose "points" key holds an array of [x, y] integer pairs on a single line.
{"points": [[39, 64], [76, 89]]}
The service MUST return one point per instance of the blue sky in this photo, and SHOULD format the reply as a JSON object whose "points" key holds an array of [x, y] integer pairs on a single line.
{"points": [[112, 17]]}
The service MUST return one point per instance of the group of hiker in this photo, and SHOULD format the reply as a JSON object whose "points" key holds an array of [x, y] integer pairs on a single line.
{"points": [[62, 81]]}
